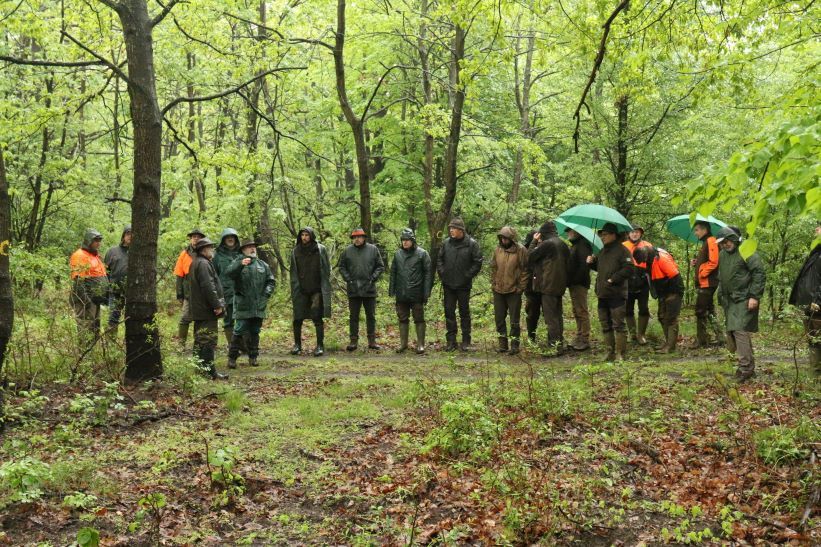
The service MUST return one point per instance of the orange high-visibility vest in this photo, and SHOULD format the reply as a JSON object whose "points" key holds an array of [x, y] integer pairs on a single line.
{"points": [[85, 264], [183, 264], [664, 267], [709, 266], [633, 246]]}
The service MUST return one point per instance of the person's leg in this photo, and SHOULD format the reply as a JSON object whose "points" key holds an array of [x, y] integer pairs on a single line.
{"points": [[630, 317], [185, 321], [514, 306], [418, 310], [672, 312], [729, 337], [115, 307], [712, 317], [643, 300], [617, 317], [228, 322], [354, 309], [552, 309], [578, 297], [370, 321], [449, 303], [317, 306], [205, 341], [403, 310], [239, 331], [812, 327], [533, 313], [252, 340], [297, 326], [500, 316], [463, 297], [606, 322], [746, 361]]}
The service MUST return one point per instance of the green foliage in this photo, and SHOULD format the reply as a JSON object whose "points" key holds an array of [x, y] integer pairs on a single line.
{"points": [[778, 445], [467, 430], [221, 463], [95, 408], [88, 537], [23, 480], [79, 500]]}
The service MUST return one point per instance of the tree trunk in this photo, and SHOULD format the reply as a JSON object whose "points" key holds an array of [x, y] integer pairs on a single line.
{"points": [[619, 193], [143, 356], [523, 86], [357, 124], [6, 297]]}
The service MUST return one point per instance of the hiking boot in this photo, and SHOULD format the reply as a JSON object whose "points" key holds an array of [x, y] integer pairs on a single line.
{"points": [[252, 362], [297, 349], [514, 346], [631, 328], [372, 343], [502, 345], [232, 362], [319, 351], [451, 345], [465, 345], [353, 345], [642, 330]]}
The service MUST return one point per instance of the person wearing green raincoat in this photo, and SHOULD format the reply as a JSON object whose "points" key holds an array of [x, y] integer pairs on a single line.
{"points": [[227, 251]]}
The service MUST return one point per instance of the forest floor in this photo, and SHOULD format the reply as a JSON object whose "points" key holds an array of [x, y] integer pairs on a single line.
{"points": [[466, 448]]}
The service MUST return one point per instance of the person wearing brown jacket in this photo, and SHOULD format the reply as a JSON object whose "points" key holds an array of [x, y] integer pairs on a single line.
{"points": [[548, 256], [509, 276], [614, 266]]}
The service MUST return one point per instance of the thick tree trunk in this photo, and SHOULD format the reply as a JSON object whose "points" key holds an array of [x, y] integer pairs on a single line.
{"points": [[143, 357], [6, 297], [357, 124]]}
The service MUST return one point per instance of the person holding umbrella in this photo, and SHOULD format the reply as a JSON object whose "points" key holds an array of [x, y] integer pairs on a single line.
{"points": [[614, 266], [638, 289], [667, 287], [578, 282]]}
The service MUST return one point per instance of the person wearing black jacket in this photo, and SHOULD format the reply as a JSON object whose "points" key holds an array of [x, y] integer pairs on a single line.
{"points": [[533, 298], [361, 266], [458, 262], [411, 280], [548, 256], [615, 266], [806, 294], [578, 282], [116, 263], [207, 305]]}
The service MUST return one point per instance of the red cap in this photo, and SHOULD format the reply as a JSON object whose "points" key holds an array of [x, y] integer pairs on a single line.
{"points": [[358, 232]]}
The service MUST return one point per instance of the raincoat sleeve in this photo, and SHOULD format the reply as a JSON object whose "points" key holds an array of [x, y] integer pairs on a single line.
{"points": [[342, 266], [427, 265], [206, 282], [625, 271], [475, 259], [294, 275], [758, 277], [524, 274], [270, 280], [234, 270], [379, 267], [392, 278]]}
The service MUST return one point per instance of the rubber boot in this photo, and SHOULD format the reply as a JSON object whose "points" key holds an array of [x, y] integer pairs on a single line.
{"points": [[297, 349], [232, 362], [451, 344], [502, 345], [420, 338], [404, 328], [702, 339], [320, 339], [671, 338], [631, 327], [610, 342], [352, 345], [465, 345], [372, 343], [660, 347], [716, 327], [514, 346], [252, 361], [621, 346], [229, 334], [642, 329]]}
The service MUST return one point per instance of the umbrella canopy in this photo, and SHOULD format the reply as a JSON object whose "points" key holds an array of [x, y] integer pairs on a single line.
{"points": [[584, 231], [595, 216], [680, 226]]}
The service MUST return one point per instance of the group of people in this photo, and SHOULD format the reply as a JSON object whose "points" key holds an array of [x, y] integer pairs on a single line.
{"points": [[227, 281]]}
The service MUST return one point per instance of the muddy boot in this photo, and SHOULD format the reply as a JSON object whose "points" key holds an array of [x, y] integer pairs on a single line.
{"points": [[465, 345], [502, 348], [372, 343], [610, 343], [420, 338], [663, 344], [297, 349], [451, 344], [716, 328], [642, 329], [232, 362], [621, 346], [514, 346], [670, 336], [320, 339], [252, 362], [404, 328], [352, 345], [631, 327]]}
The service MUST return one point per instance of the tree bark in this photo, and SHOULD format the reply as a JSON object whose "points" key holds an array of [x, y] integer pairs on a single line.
{"points": [[6, 296], [619, 193], [523, 86], [143, 356], [357, 124]]}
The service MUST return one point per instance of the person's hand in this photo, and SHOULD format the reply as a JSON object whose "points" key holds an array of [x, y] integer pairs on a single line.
{"points": [[218, 311], [815, 308], [537, 236], [591, 259], [693, 262], [246, 261], [610, 281], [752, 304]]}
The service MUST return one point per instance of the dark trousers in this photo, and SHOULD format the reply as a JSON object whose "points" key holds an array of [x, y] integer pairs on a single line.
{"points": [[611, 314], [705, 315], [533, 311], [454, 297], [404, 310], [228, 318], [669, 310], [355, 305], [116, 305], [246, 330], [504, 305], [642, 298], [552, 310], [205, 342]]}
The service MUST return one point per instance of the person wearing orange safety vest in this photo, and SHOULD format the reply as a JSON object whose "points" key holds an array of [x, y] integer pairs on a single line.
{"points": [[666, 286], [181, 269], [638, 290], [706, 265], [89, 287]]}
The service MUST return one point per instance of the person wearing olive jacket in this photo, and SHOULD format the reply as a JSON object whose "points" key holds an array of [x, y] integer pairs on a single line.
{"points": [[740, 287], [459, 261], [206, 306], [578, 283], [614, 266], [548, 256], [361, 266], [806, 294], [310, 288], [253, 284], [508, 279], [411, 280], [227, 252], [116, 262]]}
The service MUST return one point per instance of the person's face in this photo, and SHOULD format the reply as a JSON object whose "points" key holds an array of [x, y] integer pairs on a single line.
{"points": [[127, 239], [818, 231], [250, 250], [728, 245], [208, 252], [456, 233], [700, 231], [231, 241], [195, 238], [504, 241], [572, 235], [95, 244], [407, 244], [359, 241], [635, 235], [305, 238], [607, 237]]}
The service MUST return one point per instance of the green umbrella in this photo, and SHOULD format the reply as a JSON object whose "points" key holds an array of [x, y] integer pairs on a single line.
{"points": [[595, 216], [680, 226], [584, 231]]}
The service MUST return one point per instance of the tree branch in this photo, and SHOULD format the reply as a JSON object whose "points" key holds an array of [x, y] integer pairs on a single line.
{"points": [[114, 199], [228, 91], [96, 55], [166, 9], [596, 64], [375, 91], [35, 62]]}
